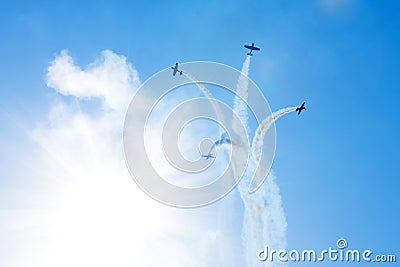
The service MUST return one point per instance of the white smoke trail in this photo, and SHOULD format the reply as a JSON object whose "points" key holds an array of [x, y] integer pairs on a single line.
{"points": [[240, 108], [207, 93], [264, 221], [252, 221], [199, 84], [264, 207], [252, 240], [239, 105], [263, 128]]}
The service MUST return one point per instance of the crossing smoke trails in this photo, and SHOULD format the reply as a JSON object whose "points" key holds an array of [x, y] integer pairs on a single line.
{"points": [[252, 223], [264, 221]]}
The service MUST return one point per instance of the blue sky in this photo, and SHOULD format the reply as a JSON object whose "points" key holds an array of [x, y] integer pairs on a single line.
{"points": [[336, 165]]}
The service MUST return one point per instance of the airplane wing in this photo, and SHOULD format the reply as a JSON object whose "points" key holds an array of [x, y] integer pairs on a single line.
{"points": [[248, 47], [256, 48]]}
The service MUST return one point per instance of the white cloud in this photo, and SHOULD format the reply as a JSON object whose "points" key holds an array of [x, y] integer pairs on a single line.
{"points": [[84, 208], [110, 77]]}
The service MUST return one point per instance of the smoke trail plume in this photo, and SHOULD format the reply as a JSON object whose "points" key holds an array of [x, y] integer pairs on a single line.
{"points": [[263, 208], [240, 108], [207, 93], [263, 128], [252, 227], [239, 105], [264, 221]]}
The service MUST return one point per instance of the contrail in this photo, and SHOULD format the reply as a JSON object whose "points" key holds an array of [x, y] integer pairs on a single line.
{"points": [[252, 224], [239, 105], [264, 208], [264, 221], [199, 84], [207, 93], [252, 228], [240, 108], [263, 128]]}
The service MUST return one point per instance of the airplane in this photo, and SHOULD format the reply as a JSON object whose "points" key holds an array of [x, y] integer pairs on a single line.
{"points": [[299, 109], [176, 69], [208, 156], [251, 47]]}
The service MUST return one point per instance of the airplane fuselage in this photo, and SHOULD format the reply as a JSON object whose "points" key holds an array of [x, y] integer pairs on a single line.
{"points": [[208, 156], [299, 109], [175, 68], [251, 47]]}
